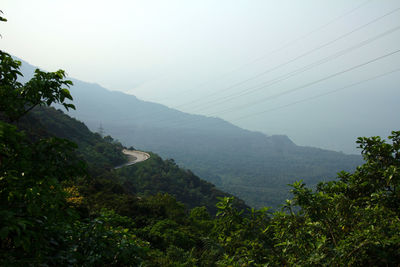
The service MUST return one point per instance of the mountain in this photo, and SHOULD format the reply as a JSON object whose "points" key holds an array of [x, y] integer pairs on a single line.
{"points": [[56, 213], [251, 165], [152, 177]]}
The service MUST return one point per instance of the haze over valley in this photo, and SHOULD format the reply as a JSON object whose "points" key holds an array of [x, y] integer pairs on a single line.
{"points": [[200, 133], [254, 166], [322, 73]]}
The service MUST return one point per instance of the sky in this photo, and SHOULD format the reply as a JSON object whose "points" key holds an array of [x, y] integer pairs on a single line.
{"points": [[321, 72]]}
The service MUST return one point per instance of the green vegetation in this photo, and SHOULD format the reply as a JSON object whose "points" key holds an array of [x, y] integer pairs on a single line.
{"points": [[353, 221], [250, 165], [101, 153], [157, 176], [62, 204]]}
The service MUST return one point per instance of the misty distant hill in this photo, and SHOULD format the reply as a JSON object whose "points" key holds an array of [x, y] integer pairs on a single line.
{"points": [[252, 165]]}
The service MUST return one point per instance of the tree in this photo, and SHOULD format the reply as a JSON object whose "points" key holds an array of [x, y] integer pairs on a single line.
{"points": [[2, 19], [33, 204], [43, 89], [39, 224], [352, 221]]}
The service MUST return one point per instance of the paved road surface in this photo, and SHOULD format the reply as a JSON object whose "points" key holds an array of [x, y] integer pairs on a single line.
{"points": [[134, 156]]}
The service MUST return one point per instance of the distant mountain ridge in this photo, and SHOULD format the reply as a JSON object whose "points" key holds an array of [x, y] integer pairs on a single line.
{"points": [[252, 165]]}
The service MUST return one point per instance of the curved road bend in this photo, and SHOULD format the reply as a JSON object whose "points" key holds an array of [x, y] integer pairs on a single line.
{"points": [[134, 156]]}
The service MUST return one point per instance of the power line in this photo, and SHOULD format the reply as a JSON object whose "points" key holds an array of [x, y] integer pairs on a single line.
{"points": [[295, 72], [286, 45], [312, 83], [292, 60], [302, 86], [308, 52], [290, 43], [319, 95], [289, 75], [313, 97]]}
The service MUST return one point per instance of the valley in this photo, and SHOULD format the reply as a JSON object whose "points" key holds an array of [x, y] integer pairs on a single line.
{"points": [[199, 133]]}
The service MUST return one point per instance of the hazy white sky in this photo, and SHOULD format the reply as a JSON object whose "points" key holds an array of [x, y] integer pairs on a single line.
{"points": [[197, 55]]}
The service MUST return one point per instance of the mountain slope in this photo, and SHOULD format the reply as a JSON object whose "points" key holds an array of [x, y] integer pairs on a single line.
{"points": [[151, 177], [252, 165]]}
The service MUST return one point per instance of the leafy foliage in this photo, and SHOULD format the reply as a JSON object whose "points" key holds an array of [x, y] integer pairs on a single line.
{"points": [[164, 176], [33, 203], [54, 212], [43, 89], [104, 241], [3, 19], [40, 223], [101, 153], [353, 221]]}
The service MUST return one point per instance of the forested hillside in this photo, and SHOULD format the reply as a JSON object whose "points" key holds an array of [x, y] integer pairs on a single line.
{"points": [[57, 213], [251, 165], [102, 154]]}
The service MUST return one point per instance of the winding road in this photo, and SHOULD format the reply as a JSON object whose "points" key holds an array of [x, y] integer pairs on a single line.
{"points": [[134, 156]]}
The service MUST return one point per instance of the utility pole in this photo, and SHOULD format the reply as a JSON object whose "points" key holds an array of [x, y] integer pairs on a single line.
{"points": [[100, 130]]}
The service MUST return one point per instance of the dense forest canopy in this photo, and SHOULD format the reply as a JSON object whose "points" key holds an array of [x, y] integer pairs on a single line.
{"points": [[251, 165], [58, 208]]}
